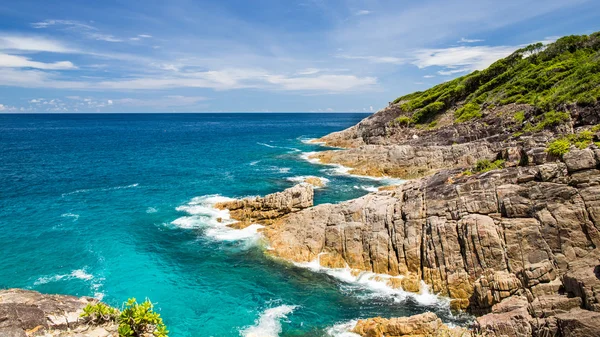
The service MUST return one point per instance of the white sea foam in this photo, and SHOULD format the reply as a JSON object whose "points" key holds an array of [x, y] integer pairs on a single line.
{"points": [[301, 179], [203, 214], [376, 284], [342, 330], [75, 274], [311, 141], [254, 162], [70, 215], [267, 145], [151, 210], [279, 169], [101, 189], [368, 188], [269, 322]]}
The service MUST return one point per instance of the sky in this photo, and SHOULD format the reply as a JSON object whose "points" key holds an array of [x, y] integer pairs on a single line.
{"points": [[258, 55]]}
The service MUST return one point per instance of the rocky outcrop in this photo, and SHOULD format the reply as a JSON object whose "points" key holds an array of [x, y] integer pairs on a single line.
{"points": [[427, 324], [29, 313], [264, 210], [518, 246]]}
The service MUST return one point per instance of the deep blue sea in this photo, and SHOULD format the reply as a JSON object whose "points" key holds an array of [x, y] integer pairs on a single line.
{"points": [[118, 205]]}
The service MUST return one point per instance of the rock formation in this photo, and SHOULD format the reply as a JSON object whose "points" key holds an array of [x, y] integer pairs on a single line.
{"points": [[264, 210], [29, 313], [427, 324]]}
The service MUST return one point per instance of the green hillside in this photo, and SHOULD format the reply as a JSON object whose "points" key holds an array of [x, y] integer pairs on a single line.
{"points": [[549, 77]]}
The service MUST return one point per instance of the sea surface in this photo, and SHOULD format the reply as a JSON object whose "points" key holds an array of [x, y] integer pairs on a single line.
{"points": [[119, 205]]}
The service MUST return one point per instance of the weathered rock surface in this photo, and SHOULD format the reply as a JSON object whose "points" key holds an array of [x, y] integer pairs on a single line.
{"points": [[427, 324], [264, 210], [518, 246], [29, 313]]}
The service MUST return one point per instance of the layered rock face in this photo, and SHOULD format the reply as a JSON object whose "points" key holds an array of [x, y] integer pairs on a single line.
{"points": [[427, 324], [518, 246], [264, 210], [29, 313]]}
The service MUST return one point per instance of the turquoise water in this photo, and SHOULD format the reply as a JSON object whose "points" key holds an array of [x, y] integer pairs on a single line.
{"points": [[117, 206]]}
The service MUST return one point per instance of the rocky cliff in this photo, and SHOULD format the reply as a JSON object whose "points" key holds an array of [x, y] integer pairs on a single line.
{"points": [[26, 313]]}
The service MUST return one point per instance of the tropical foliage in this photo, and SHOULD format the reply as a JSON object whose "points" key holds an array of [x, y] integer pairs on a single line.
{"points": [[135, 320], [547, 77]]}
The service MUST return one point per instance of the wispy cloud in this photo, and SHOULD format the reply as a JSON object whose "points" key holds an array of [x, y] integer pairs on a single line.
{"points": [[464, 40], [374, 59], [362, 12], [15, 61], [461, 59], [32, 43]]}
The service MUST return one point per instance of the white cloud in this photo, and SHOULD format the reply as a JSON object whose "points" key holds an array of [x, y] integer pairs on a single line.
{"points": [[14, 61], [109, 102], [461, 59], [464, 40], [134, 38], [145, 36], [330, 83], [374, 59], [161, 102], [308, 71], [363, 12], [32, 43], [429, 76], [69, 23], [104, 37]]}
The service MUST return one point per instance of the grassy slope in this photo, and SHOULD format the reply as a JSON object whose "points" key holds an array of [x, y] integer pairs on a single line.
{"points": [[547, 77]]}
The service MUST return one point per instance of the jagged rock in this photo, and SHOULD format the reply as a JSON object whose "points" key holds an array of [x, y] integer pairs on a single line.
{"points": [[427, 324], [29, 313], [578, 323], [449, 229], [265, 210], [510, 319]]}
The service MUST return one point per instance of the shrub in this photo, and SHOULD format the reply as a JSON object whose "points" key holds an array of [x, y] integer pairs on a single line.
{"points": [[548, 119], [100, 313], [427, 111], [136, 320], [596, 128], [402, 120], [139, 319], [433, 124], [582, 139], [467, 112], [485, 165], [519, 117], [559, 147]]}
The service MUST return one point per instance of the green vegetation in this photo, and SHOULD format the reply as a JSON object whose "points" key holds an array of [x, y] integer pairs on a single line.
{"points": [[519, 116], [135, 320], [559, 147], [548, 77], [100, 313], [432, 125], [485, 165], [548, 119], [403, 121], [467, 112], [562, 145]]}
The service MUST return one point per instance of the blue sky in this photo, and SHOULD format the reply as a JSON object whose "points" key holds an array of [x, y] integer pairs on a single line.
{"points": [[243, 55]]}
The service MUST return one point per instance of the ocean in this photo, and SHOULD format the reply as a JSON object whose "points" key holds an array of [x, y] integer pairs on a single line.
{"points": [[115, 206]]}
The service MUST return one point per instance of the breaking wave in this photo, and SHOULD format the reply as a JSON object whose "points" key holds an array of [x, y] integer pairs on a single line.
{"points": [[269, 322], [101, 189], [202, 214]]}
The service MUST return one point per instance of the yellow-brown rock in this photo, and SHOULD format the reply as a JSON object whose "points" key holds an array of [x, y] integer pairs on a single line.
{"points": [[423, 325]]}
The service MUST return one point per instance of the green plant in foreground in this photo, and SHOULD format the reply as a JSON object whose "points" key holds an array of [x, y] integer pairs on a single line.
{"points": [[485, 165], [135, 320], [403, 120], [561, 146], [100, 313]]}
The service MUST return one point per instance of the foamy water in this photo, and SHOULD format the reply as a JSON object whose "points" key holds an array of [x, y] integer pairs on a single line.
{"points": [[343, 330], [301, 179], [203, 214], [269, 322], [376, 284]]}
